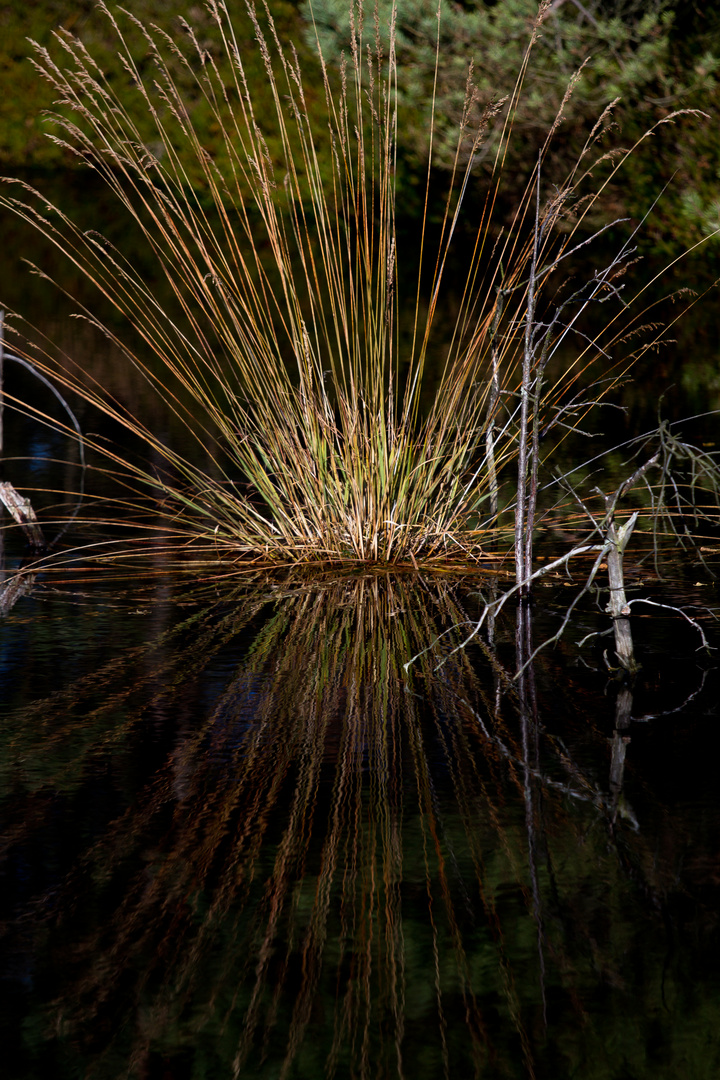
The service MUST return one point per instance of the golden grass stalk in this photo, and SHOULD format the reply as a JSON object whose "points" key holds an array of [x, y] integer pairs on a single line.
{"points": [[281, 347]]}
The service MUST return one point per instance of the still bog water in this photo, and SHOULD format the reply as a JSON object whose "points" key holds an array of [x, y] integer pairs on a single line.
{"points": [[238, 840]]}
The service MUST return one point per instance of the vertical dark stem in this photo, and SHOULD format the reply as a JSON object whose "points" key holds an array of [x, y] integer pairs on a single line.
{"points": [[492, 408], [523, 535], [534, 460]]}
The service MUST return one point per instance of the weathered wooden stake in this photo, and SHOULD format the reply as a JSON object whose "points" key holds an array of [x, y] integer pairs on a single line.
{"points": [[618, 607], [21, 510]]}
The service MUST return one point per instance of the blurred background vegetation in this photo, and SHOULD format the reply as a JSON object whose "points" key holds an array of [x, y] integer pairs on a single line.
{"points": [[656, 57]]}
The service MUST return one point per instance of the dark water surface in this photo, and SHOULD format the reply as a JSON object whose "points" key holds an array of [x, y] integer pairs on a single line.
{"points": [[238, 841]]}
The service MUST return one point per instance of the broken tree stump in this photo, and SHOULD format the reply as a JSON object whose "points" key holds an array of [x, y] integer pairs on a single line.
{"points": [[20, 509], [618, 608]]}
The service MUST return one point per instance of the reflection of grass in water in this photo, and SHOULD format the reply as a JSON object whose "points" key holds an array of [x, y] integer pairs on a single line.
{"points": [[336, 728], [330, 875]]}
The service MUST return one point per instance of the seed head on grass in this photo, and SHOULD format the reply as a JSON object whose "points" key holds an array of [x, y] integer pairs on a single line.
{"points": [[281, 345]]}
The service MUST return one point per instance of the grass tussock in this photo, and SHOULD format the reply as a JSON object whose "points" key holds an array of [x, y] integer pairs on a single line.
{"points": [[297, 342]]}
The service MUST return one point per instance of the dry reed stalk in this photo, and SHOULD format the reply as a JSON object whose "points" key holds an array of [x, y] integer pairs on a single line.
{"points": [[280, 348]]}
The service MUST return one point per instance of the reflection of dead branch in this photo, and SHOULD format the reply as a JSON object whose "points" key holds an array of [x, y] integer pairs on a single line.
{"points": [[678, 708], [13, 589]]}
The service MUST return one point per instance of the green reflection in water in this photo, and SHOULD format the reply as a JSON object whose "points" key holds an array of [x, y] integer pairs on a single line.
{"points": [[265, 853]]}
